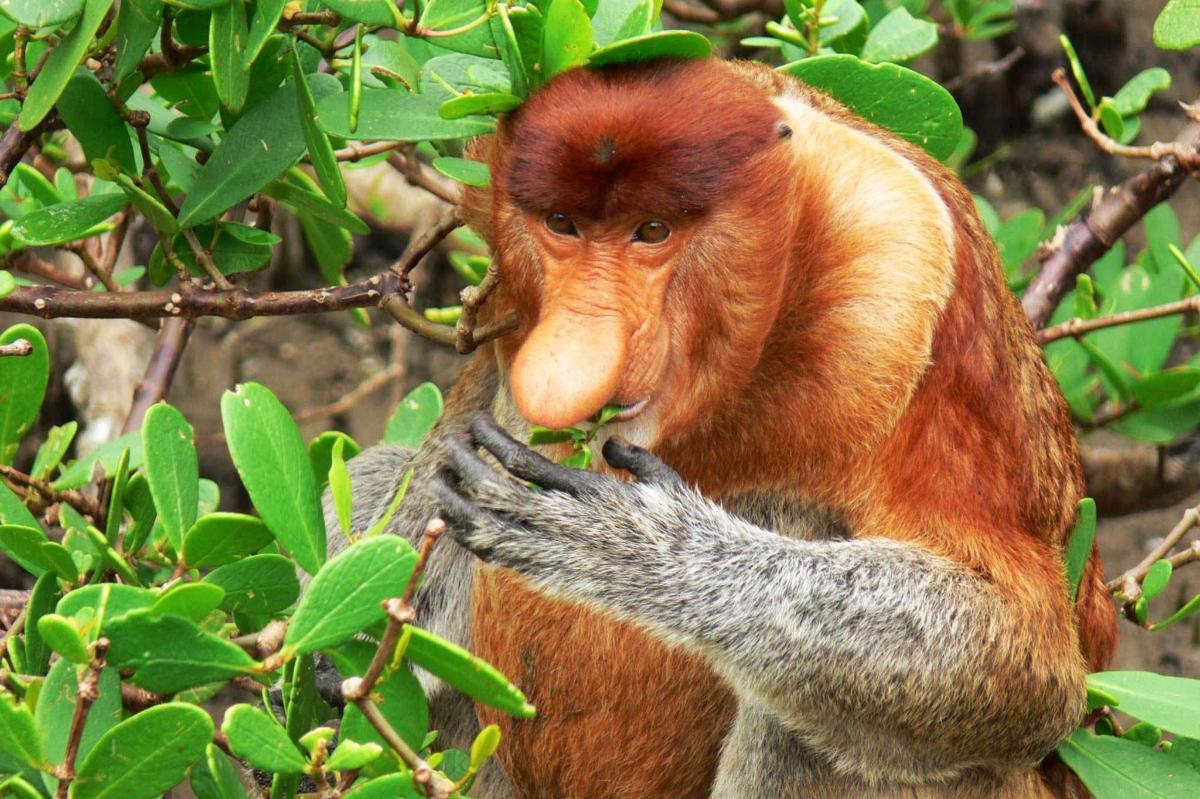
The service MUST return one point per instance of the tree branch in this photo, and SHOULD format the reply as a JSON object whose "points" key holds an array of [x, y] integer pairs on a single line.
{"points": [[1078, 326], [18, 348], [160, 370], [1078, 245]]}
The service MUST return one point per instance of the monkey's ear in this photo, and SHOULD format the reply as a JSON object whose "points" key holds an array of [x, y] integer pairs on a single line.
{"points": [[475, 204]]}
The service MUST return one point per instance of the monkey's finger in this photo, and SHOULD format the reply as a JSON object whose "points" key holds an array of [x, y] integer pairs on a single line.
{"points": [[526, 464], [644, 465], [465, 463], [461, 515]]}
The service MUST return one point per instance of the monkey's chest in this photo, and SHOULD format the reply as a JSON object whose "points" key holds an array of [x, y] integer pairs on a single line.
{"points": [[620, 715]]}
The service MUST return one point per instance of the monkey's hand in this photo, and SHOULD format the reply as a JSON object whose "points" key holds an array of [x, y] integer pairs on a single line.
{"points": [[577, 532]]}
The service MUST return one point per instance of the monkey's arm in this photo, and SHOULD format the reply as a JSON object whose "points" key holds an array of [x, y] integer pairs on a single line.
{"points": [[892, 661]]}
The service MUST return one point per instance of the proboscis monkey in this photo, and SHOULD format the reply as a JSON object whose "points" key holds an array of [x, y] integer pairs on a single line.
{"points": [[840, 573]]}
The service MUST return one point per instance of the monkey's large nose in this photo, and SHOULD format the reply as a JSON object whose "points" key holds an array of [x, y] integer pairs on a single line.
{"points": [[568, 367]]}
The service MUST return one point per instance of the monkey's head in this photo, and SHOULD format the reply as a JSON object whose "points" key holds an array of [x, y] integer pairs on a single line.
{"points": [[641, 218]]}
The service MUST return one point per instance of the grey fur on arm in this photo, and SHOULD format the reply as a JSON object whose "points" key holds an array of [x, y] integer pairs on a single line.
{"points": [[825, 634]]}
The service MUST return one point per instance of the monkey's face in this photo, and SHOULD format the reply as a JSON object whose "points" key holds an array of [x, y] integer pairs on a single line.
{"points": [[618, 221]]}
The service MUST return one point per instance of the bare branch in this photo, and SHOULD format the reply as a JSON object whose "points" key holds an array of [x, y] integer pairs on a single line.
{"points": [[1184, 153], [360, 392], [18, 348], [1077, 327], [160, 370]]}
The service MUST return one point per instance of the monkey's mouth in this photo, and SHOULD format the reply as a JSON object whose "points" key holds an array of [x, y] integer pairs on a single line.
{"points": [[630, 411]]}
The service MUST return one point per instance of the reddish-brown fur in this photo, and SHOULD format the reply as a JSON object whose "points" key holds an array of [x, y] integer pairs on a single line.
{"points": [[981, 466]]}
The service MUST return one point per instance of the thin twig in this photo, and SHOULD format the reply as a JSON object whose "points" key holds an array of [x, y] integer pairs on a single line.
{"points": [[1185, 154], [356, 395], [87, 693], [434, 530], [18, 348], [985, 69], [160, 370], [13, 631], [1129, 582], [204, 258], [407, 164], [1078, 326], [46, 494]]}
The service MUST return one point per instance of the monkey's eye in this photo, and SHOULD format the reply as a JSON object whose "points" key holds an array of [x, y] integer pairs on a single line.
{"points": [[561, 224], [652, 232]]}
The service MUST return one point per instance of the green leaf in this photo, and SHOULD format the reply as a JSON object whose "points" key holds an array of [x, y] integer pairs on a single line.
{"points": [[24, 545], [257, 585], [264, 142], [1134, 95], [368, 12], [221, 538], [1178, 25], [215, 777], [55, 224], [80, 471], [465, 672], [402, 703], [18, 736], [41, 602], [56, 706], [1156, 580], [172, 470], [22, 386], [390, 786], [464, 170], [170, 653], [414, 417], [1188, 610], [1079, 544], [108, 602], [485, 745], [1111, 120], [261, 741], [8, 283], [1172, 703], [345, 595], [60, 65], [271, 458], [191, 600], [325, 163], [63, 637], [144, 755], [396, 115], [447, 15], [927, 115], [41, 13], [339, 486], [1169, 385], [300, 200], [93, 120], [663, 44], [151, 207], [567, 37], [50, 454], [227, 34], [350, 755], [1113, 768], [1077, 70], [262, 25], [616, 20], [899, 37], [137, 25], [320, 452], [487, 103]]}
